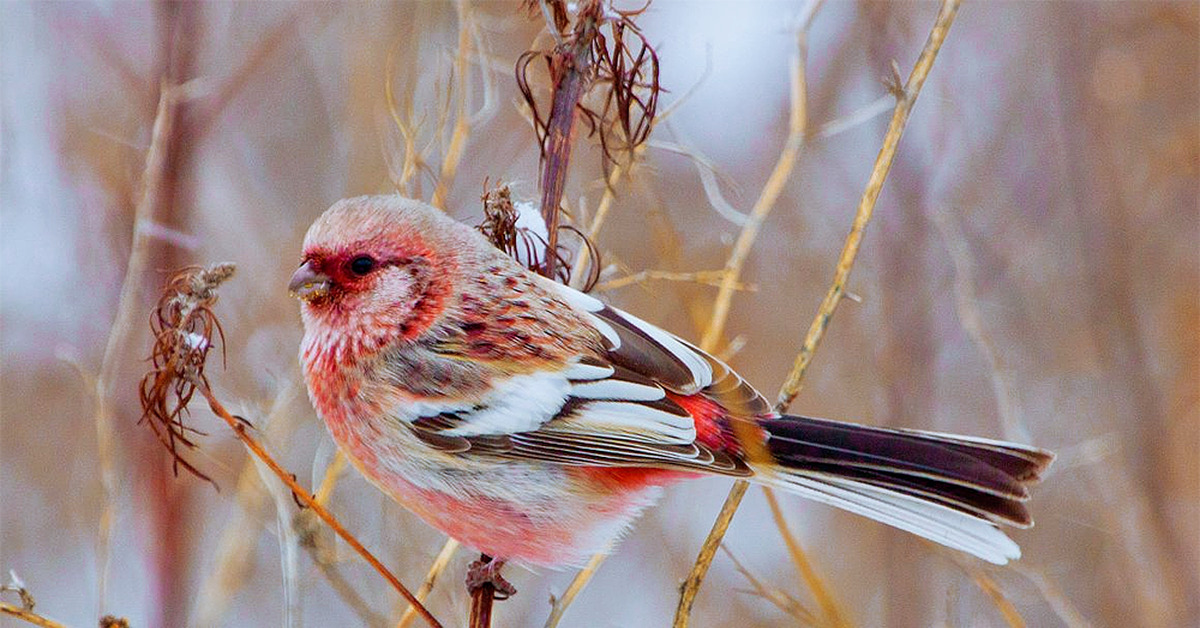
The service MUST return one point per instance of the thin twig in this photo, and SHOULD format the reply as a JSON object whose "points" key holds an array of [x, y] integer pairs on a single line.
{"points": [[831, 612], [28, 615], [704, 277], [708, 173], [128, 306], [965, 300], [606, 202], [462, 121], [239, 430], [776, 596], [559, 607], [235, 549], [324, 554], [905, 100], [412, 156], [797, 126], [329, 480], [1066, 611], [435, 569], [797, 123], [857, 117], [708, 550], [988, 585], [326, 561], [792, 385], [617, 171], [266, 48]]}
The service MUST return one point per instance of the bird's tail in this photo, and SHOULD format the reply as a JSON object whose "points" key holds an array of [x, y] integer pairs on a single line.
{"points": [[954, 490]]}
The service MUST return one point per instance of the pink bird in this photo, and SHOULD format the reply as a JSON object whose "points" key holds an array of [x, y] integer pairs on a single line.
{"points": [[534, 423]]}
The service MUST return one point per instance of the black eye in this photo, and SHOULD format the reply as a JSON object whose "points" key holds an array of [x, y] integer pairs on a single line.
{"points": [[362, 265]]}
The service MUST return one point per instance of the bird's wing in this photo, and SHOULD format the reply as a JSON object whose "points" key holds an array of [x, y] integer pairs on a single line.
{"points": [[666, 359], [612, 408]]}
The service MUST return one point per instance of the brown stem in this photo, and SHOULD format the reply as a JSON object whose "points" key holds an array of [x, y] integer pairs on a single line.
{"points": [[28, 615], [708, 551], [482, 597], [183, 33], [435, 570], [571, 73], [239, 430], [127, 312], [905, 99], [559, 606], [830, 610]]}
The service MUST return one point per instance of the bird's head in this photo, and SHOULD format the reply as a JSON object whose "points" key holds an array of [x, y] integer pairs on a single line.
{"points": [[376, 270]]}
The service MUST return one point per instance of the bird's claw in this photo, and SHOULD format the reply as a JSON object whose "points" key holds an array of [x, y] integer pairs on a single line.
{"points": [[480, 574]]}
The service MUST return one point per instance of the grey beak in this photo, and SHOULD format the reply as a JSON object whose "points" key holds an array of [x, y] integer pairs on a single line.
{"points": [[307, 284]]}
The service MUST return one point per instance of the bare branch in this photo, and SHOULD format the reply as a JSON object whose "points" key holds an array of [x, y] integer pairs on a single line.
{"points": [[581, 579], [435, 569], [866, 206], [185, 328]]}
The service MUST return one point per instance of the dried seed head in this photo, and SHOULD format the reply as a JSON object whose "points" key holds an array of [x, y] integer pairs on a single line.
{"points": [[618, 59], [183, 325], [526, 245]]}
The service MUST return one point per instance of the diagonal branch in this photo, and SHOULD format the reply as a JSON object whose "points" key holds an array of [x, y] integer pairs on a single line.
{"points": [[435, 569], [797, 129], [906, 98], [307, 499]]}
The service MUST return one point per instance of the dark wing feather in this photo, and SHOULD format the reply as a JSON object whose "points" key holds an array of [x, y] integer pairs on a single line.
{"points": [[615, 411]]}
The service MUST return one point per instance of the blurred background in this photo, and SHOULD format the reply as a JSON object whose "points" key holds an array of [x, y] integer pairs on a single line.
{"points": [[1031, 273]]}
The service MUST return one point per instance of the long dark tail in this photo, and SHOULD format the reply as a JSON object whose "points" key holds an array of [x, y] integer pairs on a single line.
{"points": [[948, 488]]}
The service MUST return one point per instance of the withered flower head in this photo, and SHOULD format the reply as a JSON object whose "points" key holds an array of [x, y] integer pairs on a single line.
{"points": [[499, 226], [183, 325]]}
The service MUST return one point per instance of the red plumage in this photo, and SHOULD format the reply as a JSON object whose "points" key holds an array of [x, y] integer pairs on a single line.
{"points": [[534, 423]]}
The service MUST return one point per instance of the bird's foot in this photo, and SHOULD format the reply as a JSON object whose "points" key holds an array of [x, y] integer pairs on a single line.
{"points": [[480, 574]]}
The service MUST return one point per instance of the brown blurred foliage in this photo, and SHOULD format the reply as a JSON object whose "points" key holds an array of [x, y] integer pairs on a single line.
{"points": [[1032, 273]]}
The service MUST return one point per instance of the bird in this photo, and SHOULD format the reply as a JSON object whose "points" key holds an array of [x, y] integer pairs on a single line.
{"points": [[534, 422]]}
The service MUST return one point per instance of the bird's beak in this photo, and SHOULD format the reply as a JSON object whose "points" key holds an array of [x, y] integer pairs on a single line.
{"points": [[308, 284]]}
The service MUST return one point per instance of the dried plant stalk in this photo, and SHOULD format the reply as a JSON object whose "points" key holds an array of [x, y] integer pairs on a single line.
{"points": [[966, 304], [234, 556], [482, 598], [435, 569], [28, 616], [184, 328], [797, 128], [581, 579], [988, 585], [906, 97], [778, 597], [830, 610], [708, 551], [797, 123], [322, 554], [499, 226], [585, 56], [123, 323], [1063, 607], [23, 612], [462, 121], [606, 200], [703, 277], [307, 500]]}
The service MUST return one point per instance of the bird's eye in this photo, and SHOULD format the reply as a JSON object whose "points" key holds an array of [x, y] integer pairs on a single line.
{"points": [[362, 265]]}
